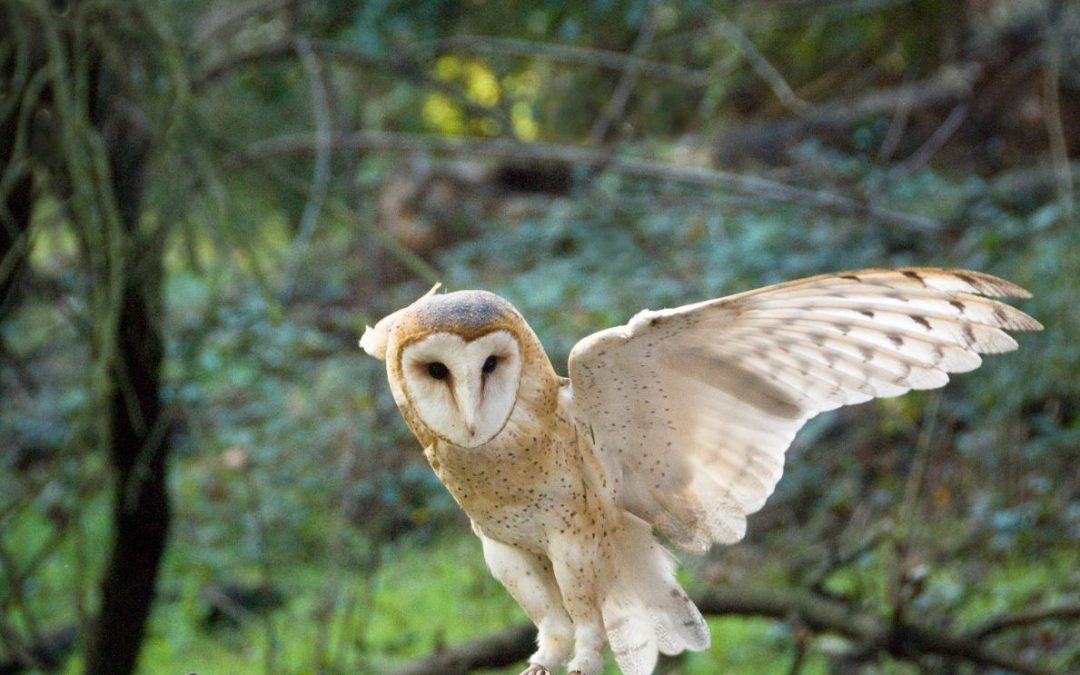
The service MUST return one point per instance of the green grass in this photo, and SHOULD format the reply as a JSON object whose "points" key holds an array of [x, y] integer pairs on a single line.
{"points": [[426, 595]]}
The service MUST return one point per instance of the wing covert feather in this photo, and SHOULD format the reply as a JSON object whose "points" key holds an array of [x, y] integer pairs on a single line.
{"points": [[690, 410]]}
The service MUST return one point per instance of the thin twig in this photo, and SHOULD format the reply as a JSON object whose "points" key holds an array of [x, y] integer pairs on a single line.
{"points": [[1025, 618], [836, 560], [406, 256], [902, 588], [897, 127], [617, 103], [765, 70], [229, 16], [16, 579], [320, 175], [400, 66], [927, 150], [1055, 128]]}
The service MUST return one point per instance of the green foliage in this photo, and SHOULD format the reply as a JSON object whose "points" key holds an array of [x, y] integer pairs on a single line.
{"points": [[291, 467]]}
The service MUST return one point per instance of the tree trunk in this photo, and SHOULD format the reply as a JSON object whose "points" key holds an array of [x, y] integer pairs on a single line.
{"points": [[139, 441], [14, 204]]}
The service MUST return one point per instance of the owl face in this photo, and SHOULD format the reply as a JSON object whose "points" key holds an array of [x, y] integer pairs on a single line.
{"points": [[463, 390]]}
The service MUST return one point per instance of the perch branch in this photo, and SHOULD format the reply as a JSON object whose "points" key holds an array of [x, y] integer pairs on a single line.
{"points": [[817, 614], [493, 651]]}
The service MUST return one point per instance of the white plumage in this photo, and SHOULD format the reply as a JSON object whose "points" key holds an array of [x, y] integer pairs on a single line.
{"points": [[678, 420]]}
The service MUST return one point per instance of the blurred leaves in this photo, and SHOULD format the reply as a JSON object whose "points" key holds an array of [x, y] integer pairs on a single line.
{"points": [[293, 470]]}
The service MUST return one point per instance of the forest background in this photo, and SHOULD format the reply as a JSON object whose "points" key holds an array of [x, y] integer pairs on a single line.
{"points": [[204, 202]]}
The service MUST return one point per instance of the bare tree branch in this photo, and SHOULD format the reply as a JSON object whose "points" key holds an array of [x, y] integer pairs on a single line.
{"points": [[1024, 618], [951, 85], [897, 127], [225, 17], [493, 651], [903, 640], [617, 103], [399, 66], [765, 70], [815, 613], [764, 188], [1055, 128], [596, 58], [320, 179], [927, 150]]}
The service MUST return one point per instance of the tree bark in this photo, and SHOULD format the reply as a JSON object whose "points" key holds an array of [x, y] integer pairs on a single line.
{"points": [[139, 446], [15, 204]]}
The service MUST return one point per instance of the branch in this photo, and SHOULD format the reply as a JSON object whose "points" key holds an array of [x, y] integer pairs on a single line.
{"points": [[617, 103], [1035, 183], [765, 70], [1025, 618], [949, 86], [1055, 128], [597, 58], [493, 651], [399, 66], [928, 149], [46, 654], [764, 188], [320, 110], [906, 641], [227, 17]]}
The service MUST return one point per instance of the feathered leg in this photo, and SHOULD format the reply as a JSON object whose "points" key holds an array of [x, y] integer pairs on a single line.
{"points": [[577, 564], [645, 610], [529, 579]]}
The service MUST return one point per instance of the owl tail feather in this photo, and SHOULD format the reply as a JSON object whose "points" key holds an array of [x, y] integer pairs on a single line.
{"points": [[645, 611]]}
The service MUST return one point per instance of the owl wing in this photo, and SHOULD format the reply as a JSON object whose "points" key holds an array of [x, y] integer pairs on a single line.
{"points": [[690, 410]]}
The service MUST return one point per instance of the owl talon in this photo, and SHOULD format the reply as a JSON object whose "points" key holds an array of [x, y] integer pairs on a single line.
{"points": [[536, 669]]}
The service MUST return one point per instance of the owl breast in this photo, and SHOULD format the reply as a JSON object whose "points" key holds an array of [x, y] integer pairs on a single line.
{"points": [[521, 486]]}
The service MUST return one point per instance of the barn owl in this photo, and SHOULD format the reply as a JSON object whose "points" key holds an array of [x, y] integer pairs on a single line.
{"points": [[675, 423]]}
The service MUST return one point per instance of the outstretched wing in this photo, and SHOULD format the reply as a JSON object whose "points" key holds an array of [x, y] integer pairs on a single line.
{"points": [[690, 410]]}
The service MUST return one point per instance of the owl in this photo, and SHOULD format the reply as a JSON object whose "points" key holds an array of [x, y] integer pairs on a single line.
{"points": [[675, 424]]}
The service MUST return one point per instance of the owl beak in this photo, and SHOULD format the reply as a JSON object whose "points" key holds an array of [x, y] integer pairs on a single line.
{"points": [[469, 394]]}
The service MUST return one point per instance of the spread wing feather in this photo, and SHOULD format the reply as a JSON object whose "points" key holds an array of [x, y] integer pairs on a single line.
{"points": [[690, 410]]}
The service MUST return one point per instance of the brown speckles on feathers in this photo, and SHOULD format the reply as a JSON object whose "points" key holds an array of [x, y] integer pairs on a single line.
{"points": [[677, 420]]}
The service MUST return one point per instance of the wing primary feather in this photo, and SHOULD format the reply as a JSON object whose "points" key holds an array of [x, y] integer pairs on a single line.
{"points": [[713, 370], [983, 339], [904, 369], [960, 308], [847, 378], [740, 375]]}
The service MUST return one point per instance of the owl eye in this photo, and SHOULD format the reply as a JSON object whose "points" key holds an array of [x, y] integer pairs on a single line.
{"points": [[490, 364], [438, 370]]}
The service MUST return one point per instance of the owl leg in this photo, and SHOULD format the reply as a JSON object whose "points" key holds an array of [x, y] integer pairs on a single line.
{"points": [[576, 571], [529, 579]]}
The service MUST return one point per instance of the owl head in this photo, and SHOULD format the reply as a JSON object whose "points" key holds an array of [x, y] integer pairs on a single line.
{"points": [[454, 361]]}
